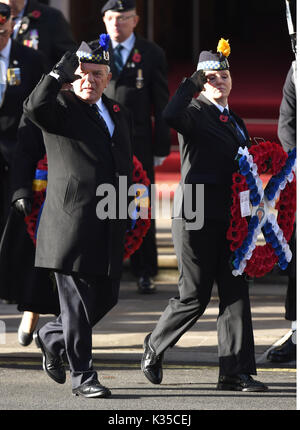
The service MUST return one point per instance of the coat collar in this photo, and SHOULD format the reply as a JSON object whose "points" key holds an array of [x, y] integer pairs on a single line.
{"points": [[201, 99], [137, 47]]}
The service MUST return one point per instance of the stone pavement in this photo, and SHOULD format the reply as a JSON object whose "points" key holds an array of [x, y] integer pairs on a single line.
{"points": [[119, 336]]}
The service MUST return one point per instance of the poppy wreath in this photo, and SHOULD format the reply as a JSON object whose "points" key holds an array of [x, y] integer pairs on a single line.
{"points": [[139, 226], [279, 193]]}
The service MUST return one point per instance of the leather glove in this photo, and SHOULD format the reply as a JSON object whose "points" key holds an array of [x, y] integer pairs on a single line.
{"points": [[199, 79], [65, 68], [23, 206]]}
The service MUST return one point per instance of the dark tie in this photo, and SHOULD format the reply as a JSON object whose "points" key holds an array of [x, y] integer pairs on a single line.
{"points": [[118, 58], [100, 117], [235, 126]]}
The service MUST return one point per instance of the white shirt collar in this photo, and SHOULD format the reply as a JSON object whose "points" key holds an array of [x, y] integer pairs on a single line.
{"points": [[221, 108], [127, 44], [6, 51]]}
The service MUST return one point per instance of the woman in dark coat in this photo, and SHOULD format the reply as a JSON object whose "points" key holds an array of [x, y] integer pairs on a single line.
{"points": [[33, 289], [210, 136]]}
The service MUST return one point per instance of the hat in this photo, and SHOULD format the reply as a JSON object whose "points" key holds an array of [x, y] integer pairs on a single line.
{"points": [[4, 13], [99, 55], [215, 61], [118, 5]]}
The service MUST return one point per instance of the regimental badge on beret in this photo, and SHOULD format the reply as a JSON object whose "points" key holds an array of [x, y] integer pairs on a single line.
{"points": [[209, 60], [4, 13], [100, 55], [118, 5]]}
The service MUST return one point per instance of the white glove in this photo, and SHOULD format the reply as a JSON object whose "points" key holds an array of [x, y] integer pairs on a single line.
{"points": [[158, 161]]}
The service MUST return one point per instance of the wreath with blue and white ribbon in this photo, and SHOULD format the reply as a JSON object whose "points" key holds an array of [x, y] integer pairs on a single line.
{"points": [[279, 195]]}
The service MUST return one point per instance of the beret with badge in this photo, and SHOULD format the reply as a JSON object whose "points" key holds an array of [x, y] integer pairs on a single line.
{"points": [[118, 5]]}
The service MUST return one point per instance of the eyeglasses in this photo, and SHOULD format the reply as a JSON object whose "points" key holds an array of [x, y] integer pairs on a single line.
{"points": [[120, 18]]}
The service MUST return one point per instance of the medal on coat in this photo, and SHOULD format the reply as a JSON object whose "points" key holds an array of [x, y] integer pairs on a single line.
{"points": [[33, 42], [139, 79], [13, 76]]}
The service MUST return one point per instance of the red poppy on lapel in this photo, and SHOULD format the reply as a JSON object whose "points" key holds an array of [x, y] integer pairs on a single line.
{"points": [[136, 58], [116, 108], [223, 118], [35, 14]]}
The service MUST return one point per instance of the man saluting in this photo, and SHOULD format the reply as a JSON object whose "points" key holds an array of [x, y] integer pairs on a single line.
{"points": [[88, 143]]}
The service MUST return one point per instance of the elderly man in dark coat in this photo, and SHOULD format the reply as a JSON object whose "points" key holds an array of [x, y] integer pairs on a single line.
{"points": [[88, 143]]}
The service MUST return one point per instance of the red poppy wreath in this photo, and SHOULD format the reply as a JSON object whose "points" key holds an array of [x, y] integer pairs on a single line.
{"points": [[253, 209], [139, 226]]}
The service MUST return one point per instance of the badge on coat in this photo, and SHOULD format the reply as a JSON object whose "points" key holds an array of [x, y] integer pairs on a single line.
{"points": [[13, 76], [139, 79], [33, 41]]}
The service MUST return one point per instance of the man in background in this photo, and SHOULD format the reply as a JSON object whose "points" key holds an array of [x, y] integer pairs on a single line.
{"points": [[139, 82]]}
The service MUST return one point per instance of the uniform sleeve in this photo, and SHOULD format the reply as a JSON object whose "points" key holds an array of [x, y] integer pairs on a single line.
{"points": [[43, 108], [287, 113], [177, 114]]}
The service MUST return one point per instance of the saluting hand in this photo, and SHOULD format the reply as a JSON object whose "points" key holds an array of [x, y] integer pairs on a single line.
{"points": [[65, 68], [199, 79]]}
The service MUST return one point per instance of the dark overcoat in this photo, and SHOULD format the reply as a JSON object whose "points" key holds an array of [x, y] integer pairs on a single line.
{"points": [[81, 156], [208, 147], [45, 28], [32, 288]]}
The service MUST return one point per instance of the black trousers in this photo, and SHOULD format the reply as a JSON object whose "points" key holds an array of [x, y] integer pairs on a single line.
{"points": [[84, 300], [291, 299], [203, 258]]}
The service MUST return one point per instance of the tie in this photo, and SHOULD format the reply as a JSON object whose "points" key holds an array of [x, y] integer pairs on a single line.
{"points": [[100, 117], [118, 58], [2, 79], [236, 127]]}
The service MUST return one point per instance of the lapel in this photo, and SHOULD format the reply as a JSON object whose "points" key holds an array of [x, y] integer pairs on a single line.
{"points": [[26, 20], [114, 112], [218, 115], [137, 48]]}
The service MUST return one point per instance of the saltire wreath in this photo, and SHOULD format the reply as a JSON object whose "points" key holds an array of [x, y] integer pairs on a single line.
{"points": [[139, 225], [279, 194]]}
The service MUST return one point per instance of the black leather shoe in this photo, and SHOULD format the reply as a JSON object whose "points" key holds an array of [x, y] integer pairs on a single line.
{"points": [[240, 383], [283, 353], [151, 363], [91, 389], [146, 285], [24, 339], [53, 365]]}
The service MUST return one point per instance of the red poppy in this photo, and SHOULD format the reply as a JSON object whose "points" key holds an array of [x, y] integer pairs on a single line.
{"points": [[223, 118], [36, 14], [116, 108], [136, 58]]}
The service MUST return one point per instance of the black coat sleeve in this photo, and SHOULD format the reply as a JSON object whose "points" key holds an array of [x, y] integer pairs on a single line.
{"points": [[176, 113], [42, 106]]}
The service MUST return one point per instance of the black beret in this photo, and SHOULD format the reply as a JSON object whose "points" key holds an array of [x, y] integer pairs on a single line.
{"points": [[4, 13], [118, 5]]}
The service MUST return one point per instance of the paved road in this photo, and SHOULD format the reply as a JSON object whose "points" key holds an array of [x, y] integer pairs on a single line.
{"points": [[24, 386]]}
